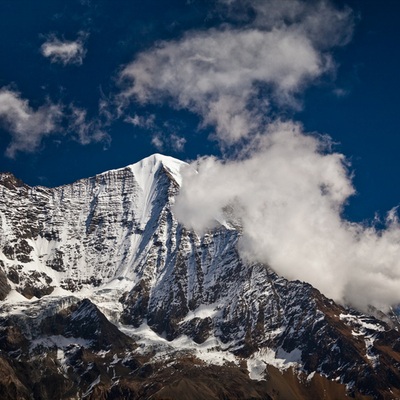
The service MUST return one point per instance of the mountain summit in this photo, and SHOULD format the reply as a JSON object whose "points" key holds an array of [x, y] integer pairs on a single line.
{"points": [[105, 295]]}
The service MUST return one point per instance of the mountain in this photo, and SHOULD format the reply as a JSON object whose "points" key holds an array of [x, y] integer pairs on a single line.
{"points": [[104, 295]]}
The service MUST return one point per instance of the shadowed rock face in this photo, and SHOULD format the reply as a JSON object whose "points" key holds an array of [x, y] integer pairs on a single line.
{"points": [[4, 286], [113, 245], [62, 361]]}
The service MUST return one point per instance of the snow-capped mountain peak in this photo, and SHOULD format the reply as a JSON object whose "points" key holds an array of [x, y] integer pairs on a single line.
{"points": [[149, 165], [114, 239]]}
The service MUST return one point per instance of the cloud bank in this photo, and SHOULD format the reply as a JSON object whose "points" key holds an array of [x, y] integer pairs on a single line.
{"points": [[64, 51]]}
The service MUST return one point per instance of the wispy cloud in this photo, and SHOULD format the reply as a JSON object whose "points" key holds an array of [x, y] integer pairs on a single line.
{"points": [[158, 142], [165, 137], [164, 142], [26, 125], [64, 51], [177, 143], [320, 21], [85, 130], [141, 121]]}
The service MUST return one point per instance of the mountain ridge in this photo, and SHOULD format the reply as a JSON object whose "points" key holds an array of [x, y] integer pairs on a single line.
{"points": [[113, 240]]}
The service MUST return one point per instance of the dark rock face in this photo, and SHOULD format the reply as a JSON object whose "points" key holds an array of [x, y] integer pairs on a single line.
{"points": [[61, 355], [99, 364], [4, 286], [114, 238]]}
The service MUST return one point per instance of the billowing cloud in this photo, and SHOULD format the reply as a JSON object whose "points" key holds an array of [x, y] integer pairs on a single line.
{"points": [[221, 73], [288, 195], [26, 125], [64, 51]]}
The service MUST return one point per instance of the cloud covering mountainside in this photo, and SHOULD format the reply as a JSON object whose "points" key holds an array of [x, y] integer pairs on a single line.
{"points": [[285, 185]]}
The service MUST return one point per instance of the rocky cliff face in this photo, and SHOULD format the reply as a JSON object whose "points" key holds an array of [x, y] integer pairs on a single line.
{"points": [[105, 293], [87, 233]]}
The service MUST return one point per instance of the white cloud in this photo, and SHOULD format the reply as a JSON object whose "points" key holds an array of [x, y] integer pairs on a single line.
{"points": [[214, 74], [26, 125], [288, 196], [64, 51], [218, 73]]}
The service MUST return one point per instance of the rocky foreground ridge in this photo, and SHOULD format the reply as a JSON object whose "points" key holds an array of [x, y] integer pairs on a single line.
{"points": [[104, 295]]}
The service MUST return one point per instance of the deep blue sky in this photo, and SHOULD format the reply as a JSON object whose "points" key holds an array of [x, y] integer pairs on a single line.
{"points": [[364, 122]]}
